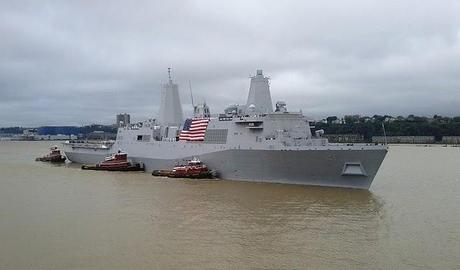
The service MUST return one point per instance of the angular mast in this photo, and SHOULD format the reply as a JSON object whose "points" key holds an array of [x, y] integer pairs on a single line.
{"points": [[170, 113], [259, 98]]}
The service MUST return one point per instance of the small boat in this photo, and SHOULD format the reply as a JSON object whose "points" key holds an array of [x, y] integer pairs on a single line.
{"points": [[54, 156], [193, 169], [116, 162]]}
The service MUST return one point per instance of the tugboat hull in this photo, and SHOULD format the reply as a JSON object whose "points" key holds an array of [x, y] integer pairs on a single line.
{"points": [[171, 174], [135, 167], [54, 157], [52, 160]]}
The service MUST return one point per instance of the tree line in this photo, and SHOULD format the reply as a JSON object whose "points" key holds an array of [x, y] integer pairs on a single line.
{"points": [[437, 126], [66, 130]]}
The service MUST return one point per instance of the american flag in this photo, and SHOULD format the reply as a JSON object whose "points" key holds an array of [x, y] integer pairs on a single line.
{"points": [[194, 129]]}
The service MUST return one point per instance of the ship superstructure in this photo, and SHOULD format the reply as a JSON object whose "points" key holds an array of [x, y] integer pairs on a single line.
{"points": [[251, 142]]}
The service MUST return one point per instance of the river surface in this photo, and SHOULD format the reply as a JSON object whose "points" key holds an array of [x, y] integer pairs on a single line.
{"points": [[60, 217]]}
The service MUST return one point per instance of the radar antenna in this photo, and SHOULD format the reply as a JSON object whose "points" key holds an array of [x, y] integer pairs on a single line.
{"points": [[169, 74]]}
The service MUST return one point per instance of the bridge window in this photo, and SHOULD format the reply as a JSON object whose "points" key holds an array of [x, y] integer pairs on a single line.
{"points": [[143, 138]]}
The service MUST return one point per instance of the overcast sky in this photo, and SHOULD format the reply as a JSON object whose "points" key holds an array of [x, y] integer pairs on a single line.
{"points": [[81, 62]]}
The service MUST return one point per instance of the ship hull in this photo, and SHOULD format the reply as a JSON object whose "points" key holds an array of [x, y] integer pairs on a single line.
{"points": [[303, 167], [84, 157], [310, 167]]}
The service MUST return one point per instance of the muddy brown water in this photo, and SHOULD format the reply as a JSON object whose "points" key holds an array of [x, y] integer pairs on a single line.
{"points": [[60, 217]]}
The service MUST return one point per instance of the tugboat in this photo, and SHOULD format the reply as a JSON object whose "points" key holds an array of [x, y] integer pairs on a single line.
{"points": [[194, 169], [116, 162], [55, 156]]}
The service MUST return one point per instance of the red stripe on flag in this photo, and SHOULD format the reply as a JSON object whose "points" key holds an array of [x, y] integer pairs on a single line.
{"points": [[196, 131]]}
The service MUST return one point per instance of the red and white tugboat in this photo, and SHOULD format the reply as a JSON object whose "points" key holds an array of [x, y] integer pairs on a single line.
{"points": [[55, 156], [116, 162], [194, 169]]}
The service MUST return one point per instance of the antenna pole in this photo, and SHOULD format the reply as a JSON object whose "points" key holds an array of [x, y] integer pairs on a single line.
{"points": [[191, 93], [384, 134]]}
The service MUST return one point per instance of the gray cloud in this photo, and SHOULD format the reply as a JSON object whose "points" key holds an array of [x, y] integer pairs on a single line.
{"points": [[82, 62]]}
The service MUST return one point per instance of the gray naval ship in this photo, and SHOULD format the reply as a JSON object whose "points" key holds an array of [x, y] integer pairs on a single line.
{"points": [[252, 142]]}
